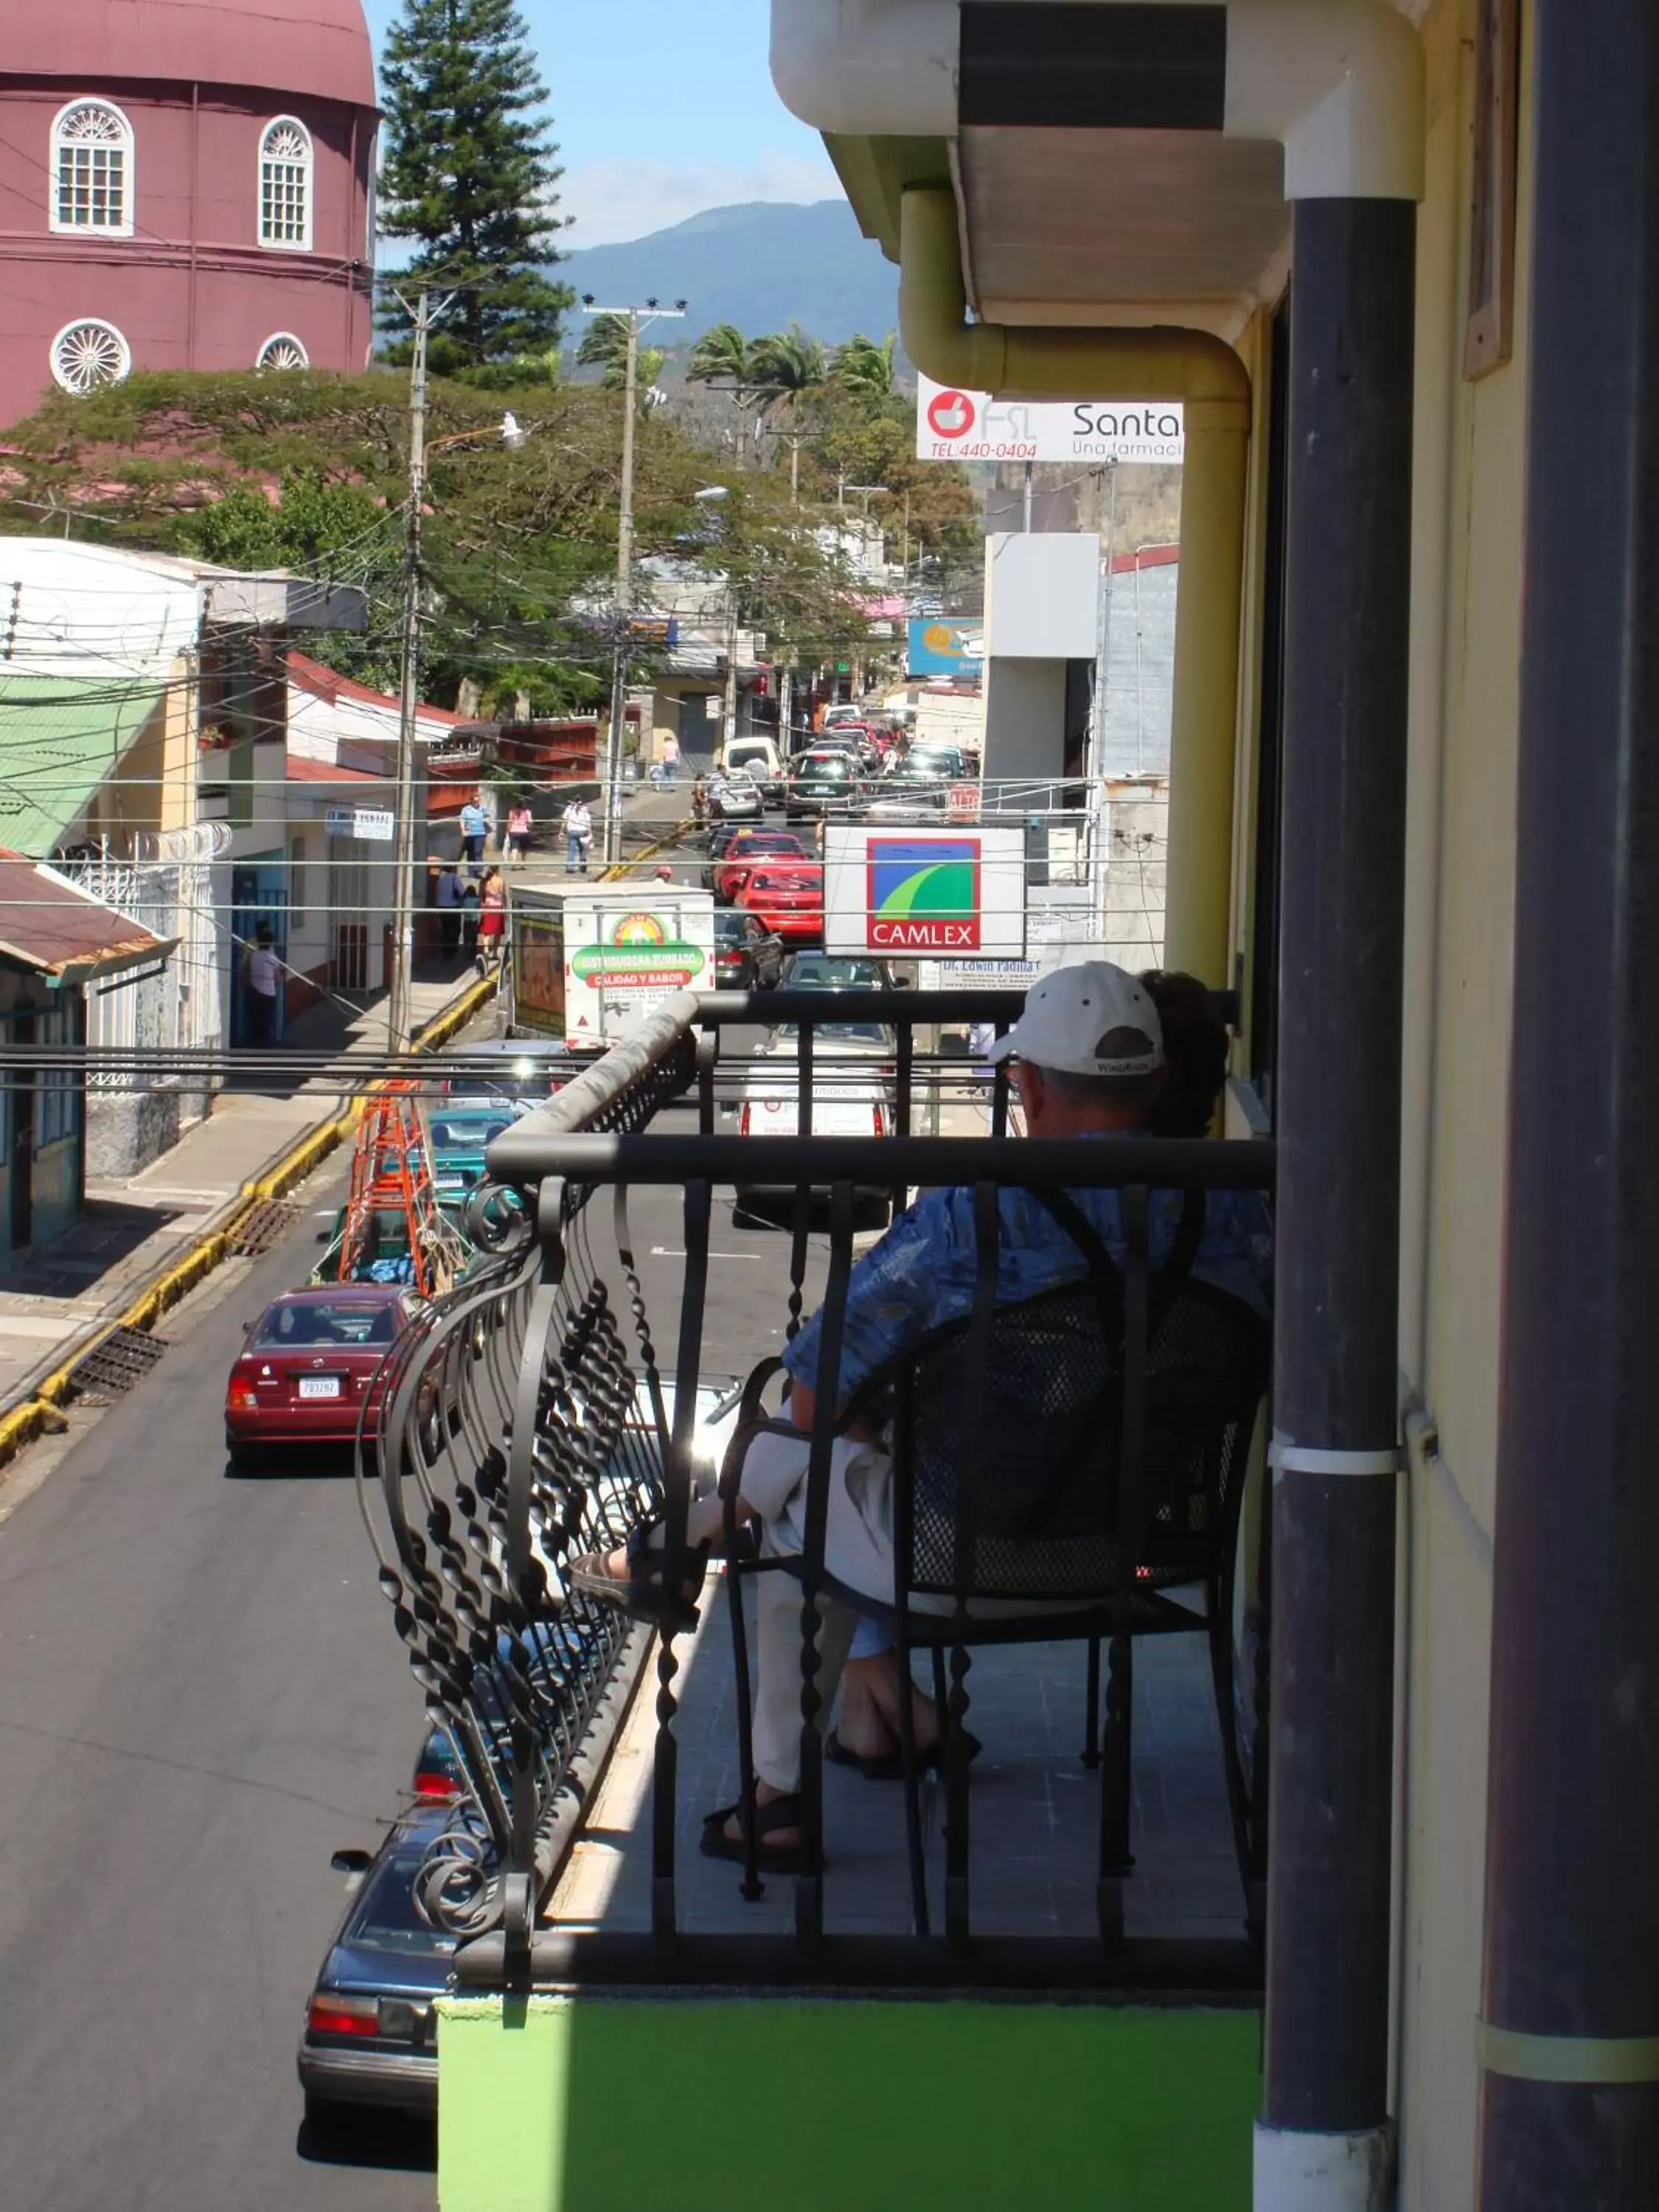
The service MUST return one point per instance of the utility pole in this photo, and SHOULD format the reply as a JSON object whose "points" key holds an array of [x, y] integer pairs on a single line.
{"points": [[631, 317], [402, 866]]}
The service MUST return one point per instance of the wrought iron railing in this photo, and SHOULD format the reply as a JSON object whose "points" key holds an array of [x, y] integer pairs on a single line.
{"points": [[535, 1417]]}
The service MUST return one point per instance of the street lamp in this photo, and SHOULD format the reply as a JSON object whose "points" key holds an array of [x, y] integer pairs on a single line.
{"points": [[711, 494]]}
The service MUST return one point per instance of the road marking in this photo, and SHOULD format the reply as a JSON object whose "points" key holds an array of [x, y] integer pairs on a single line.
{"points": [[662, 1251]]}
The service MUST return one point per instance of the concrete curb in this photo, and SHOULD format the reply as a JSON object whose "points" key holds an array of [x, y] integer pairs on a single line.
{"points": [[37, 1405]]}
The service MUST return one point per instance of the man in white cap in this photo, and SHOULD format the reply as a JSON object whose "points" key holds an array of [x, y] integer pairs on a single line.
{"points": [[1088, 1064]]}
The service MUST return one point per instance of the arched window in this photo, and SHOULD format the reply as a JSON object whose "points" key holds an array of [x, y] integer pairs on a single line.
{"points": [[87, 353], [282, 351], [92, 168], [285, 185]]}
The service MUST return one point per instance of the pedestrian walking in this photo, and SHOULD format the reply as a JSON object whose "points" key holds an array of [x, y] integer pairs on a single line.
{"points": [[475, 829], [578, 826], [492, 921], [518, 831], [263, 980], [469, 920], [670, 759]]}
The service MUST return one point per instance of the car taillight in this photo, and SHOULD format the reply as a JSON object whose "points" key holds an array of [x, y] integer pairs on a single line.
{"points": [[432, 1782], [878, 1115], [342, 2015], [242, 1400], [743, 1121]]}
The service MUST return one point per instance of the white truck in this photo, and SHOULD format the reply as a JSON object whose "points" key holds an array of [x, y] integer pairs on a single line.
{"points": [[590, 963]]}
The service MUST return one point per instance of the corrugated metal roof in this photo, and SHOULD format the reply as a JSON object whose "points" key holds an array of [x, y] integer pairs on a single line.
{"points": [[51, 924], [59, 740]]}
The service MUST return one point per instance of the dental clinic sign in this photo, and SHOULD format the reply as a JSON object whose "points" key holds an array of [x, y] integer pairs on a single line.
{"points": [[954, 425], [924, 894]]}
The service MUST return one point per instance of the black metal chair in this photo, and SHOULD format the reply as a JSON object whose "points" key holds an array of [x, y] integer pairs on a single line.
{"points": [[1060, 1465]]}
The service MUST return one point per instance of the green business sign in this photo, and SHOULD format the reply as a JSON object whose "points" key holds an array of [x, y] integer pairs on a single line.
{"points": [[621, 966]]}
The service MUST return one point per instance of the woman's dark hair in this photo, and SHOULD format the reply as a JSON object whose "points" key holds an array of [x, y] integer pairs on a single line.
{"points": [[1195, 1051]]}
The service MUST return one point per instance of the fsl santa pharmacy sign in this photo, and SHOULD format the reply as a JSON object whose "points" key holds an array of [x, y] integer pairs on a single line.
{"points": [[924, 894], [957, 425]]}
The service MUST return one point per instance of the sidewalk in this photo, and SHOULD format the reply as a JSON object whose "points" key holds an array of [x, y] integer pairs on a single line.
{"points": [[132, 1231]]}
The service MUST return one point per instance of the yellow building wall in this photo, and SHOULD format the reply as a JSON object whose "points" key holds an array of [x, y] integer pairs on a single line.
{"points": [[1466, 591]]}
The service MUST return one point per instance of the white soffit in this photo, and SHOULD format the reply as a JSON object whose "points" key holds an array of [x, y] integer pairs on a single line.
{"points": [[1142, 219]]}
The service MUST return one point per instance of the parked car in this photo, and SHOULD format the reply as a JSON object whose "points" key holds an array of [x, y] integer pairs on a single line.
{"points": [[732, 870], [748, 957], [758, 757], [369, 2036], [854, 1100], [846, 711], [825, 783], [836, 971], [786, 897], [736, 799], [460, 1134], [529, 1068], [310, 1364]]}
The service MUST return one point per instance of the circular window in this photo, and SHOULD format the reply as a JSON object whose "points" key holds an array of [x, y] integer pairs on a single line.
{"points": [[87, 353], [283, 352]]}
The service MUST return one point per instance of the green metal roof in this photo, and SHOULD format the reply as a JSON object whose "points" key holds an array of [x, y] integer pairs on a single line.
{"points": [[60, 737]]}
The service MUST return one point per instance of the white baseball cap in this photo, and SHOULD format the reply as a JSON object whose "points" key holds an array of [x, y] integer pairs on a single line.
{"points": [[1071, 1016]]}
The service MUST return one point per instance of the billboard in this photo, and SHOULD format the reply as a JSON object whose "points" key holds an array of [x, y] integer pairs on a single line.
{"points": [[946, 645], [956, 425], [924, 893]]}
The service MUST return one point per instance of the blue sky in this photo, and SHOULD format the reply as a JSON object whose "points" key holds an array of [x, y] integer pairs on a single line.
{"points": [[663, 107]]}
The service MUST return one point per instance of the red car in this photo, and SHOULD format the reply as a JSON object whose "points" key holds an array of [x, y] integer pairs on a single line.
{"points": [[731, 869], [787, 897], [310, 1363]]}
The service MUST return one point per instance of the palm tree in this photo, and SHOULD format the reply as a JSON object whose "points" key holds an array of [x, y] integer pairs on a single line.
{"points": [[788, 368], [720, 356], [864, 366], [604, 346]]}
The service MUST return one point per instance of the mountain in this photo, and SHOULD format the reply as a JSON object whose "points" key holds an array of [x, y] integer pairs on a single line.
{"points": [[760, 265]]}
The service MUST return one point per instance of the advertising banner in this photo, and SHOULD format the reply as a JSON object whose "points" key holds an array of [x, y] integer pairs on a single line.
{"points": [[954, 425], [374, 824], [929, 894], [946, 645]]}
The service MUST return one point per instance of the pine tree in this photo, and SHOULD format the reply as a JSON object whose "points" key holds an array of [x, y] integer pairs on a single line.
{"points": [[470, 172]]}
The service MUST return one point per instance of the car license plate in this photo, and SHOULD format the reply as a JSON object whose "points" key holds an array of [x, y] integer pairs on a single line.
{"points": [[319, 1386]]}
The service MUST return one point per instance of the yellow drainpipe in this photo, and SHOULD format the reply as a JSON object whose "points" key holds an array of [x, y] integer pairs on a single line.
{"points": [[1208, 377]]}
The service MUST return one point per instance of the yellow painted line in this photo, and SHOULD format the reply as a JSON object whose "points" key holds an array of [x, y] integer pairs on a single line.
{"points": [[646, 852], [21, 1424]]}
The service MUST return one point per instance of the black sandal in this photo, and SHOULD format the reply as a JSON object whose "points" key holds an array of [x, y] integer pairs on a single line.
{"points": [[779, 1813], [640, 1591], [888, 1765]]}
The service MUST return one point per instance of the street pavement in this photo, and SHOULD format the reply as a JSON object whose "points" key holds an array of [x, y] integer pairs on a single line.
{"points": [[202, 1697]]}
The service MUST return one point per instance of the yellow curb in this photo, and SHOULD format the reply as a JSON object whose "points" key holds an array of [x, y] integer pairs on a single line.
{"points": [[20, 1424], [646, 852]]}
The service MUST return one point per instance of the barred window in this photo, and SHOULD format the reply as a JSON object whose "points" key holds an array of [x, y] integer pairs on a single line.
{"points": [[92, 168], [285, 185]]}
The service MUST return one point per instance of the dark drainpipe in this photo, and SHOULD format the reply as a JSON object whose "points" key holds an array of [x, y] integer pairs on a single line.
{"points": [[1570, 2031], [1336, 1394]]}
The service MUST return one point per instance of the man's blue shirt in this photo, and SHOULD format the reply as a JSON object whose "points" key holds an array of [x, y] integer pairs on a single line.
{"points": [[923, 1272]]}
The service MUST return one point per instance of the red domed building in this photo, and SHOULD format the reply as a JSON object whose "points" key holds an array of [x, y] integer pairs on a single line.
{"points": [[183, 184]]}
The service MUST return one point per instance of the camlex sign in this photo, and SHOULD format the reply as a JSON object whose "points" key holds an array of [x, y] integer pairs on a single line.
{"points": [[953, 425], [927, 894]]}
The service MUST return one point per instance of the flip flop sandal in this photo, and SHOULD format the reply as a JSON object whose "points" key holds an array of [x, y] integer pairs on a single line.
{"points": [[780, 1812], [888, 1765], [641, 1592]]}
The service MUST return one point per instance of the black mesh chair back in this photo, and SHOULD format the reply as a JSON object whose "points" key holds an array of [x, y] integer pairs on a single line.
{"points": [[1013, 1437]]}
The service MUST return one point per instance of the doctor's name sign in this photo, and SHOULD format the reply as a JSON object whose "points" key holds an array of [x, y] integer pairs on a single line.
{"points": [[924, 893]]}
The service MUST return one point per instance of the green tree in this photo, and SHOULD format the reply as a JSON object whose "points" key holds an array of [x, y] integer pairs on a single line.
{"points": [[864, 366], [720, 356], [604, 346], [470, 173], [788, 366]]}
